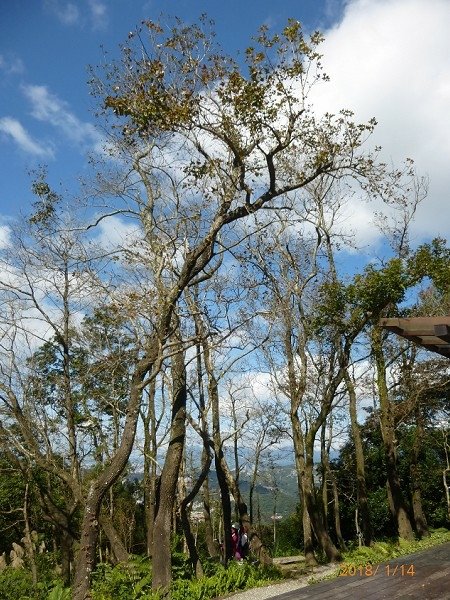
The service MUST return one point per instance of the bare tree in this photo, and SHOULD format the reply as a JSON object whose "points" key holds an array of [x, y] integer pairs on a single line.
{"points": [[47, 278]]}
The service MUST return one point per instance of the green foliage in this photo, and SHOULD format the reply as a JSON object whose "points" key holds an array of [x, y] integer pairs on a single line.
{"points": [[124, 581], [375, 288], [382, 521], [383, 551], [12, 490], [289, 535], [349, 307], [17, 584], [133, 582], [432, 260], [181, 566], [181, 62], [428, 474], [59, 592], [237, 576], [47, 201]]}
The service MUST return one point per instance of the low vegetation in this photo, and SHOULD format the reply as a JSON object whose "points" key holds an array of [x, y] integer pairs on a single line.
{"points": [[133, 581], [386, 550]]}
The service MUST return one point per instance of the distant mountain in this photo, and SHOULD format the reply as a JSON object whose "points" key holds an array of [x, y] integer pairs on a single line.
{"points": [[275, 492]]}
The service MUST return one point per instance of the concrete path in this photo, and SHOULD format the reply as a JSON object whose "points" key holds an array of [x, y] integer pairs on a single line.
{"points": [[424, 575]]}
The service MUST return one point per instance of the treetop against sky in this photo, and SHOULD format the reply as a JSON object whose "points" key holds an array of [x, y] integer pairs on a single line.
{"points": [[387, 59]]}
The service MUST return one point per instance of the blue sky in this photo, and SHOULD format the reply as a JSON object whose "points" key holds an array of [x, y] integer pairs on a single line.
{"points": [[45, 47], [386, 58]]}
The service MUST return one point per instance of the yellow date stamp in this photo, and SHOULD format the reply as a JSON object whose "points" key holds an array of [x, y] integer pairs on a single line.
{"points": [[391, 570]]}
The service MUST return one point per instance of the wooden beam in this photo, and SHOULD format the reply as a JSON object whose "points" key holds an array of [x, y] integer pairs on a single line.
{"points": [[432, 333], [442, 331]]}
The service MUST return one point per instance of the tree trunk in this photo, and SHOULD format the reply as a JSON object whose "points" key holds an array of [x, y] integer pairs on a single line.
{"points": [[64, 529], [299, 453], [64, 534], [315, 510], [150, 475], [88, 544], [190, 541], [251, 493], [256, 545], [419, 515], [28, 541], [219, 460], [328, 476], [365, 522], [420, 520], [337, 516], [446, 470], [308, 544], [400, 510], [297, 387], [225, 478], [325, 471], [66, 549], [117, 546], [226, 505], [162, 558], [99, 487], [212, 546]]}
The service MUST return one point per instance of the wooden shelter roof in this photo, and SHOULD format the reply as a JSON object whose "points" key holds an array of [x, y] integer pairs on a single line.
{"points": [[433, 333]]}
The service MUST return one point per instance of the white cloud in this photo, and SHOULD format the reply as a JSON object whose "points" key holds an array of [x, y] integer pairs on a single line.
{"points": [[14, 129], [4, 236], [388, 59], [49, 108], [21, 288], [116, 233], [74, 13], [67, 12], [11, 65], [357, 220], [98, 14]]}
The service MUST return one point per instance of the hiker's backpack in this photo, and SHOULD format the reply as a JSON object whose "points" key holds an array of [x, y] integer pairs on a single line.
{"points": [[243, 545]]}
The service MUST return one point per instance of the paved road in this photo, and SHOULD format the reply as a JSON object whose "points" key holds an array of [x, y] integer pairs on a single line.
{"points": [[424, 575]]}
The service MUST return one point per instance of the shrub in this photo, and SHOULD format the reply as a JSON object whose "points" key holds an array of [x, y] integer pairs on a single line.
{"points": [[59, 592], [133, 581], [387, 550], [16, 584], [124, 581], [237, 576]]}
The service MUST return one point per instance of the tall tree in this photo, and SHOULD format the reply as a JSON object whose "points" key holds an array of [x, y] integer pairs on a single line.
{"points": [[47, 277], [210, 143], [363, 518]]}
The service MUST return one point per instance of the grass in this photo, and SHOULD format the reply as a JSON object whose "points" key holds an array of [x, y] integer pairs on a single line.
{"points": [[358, 558], [387, 550]]}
